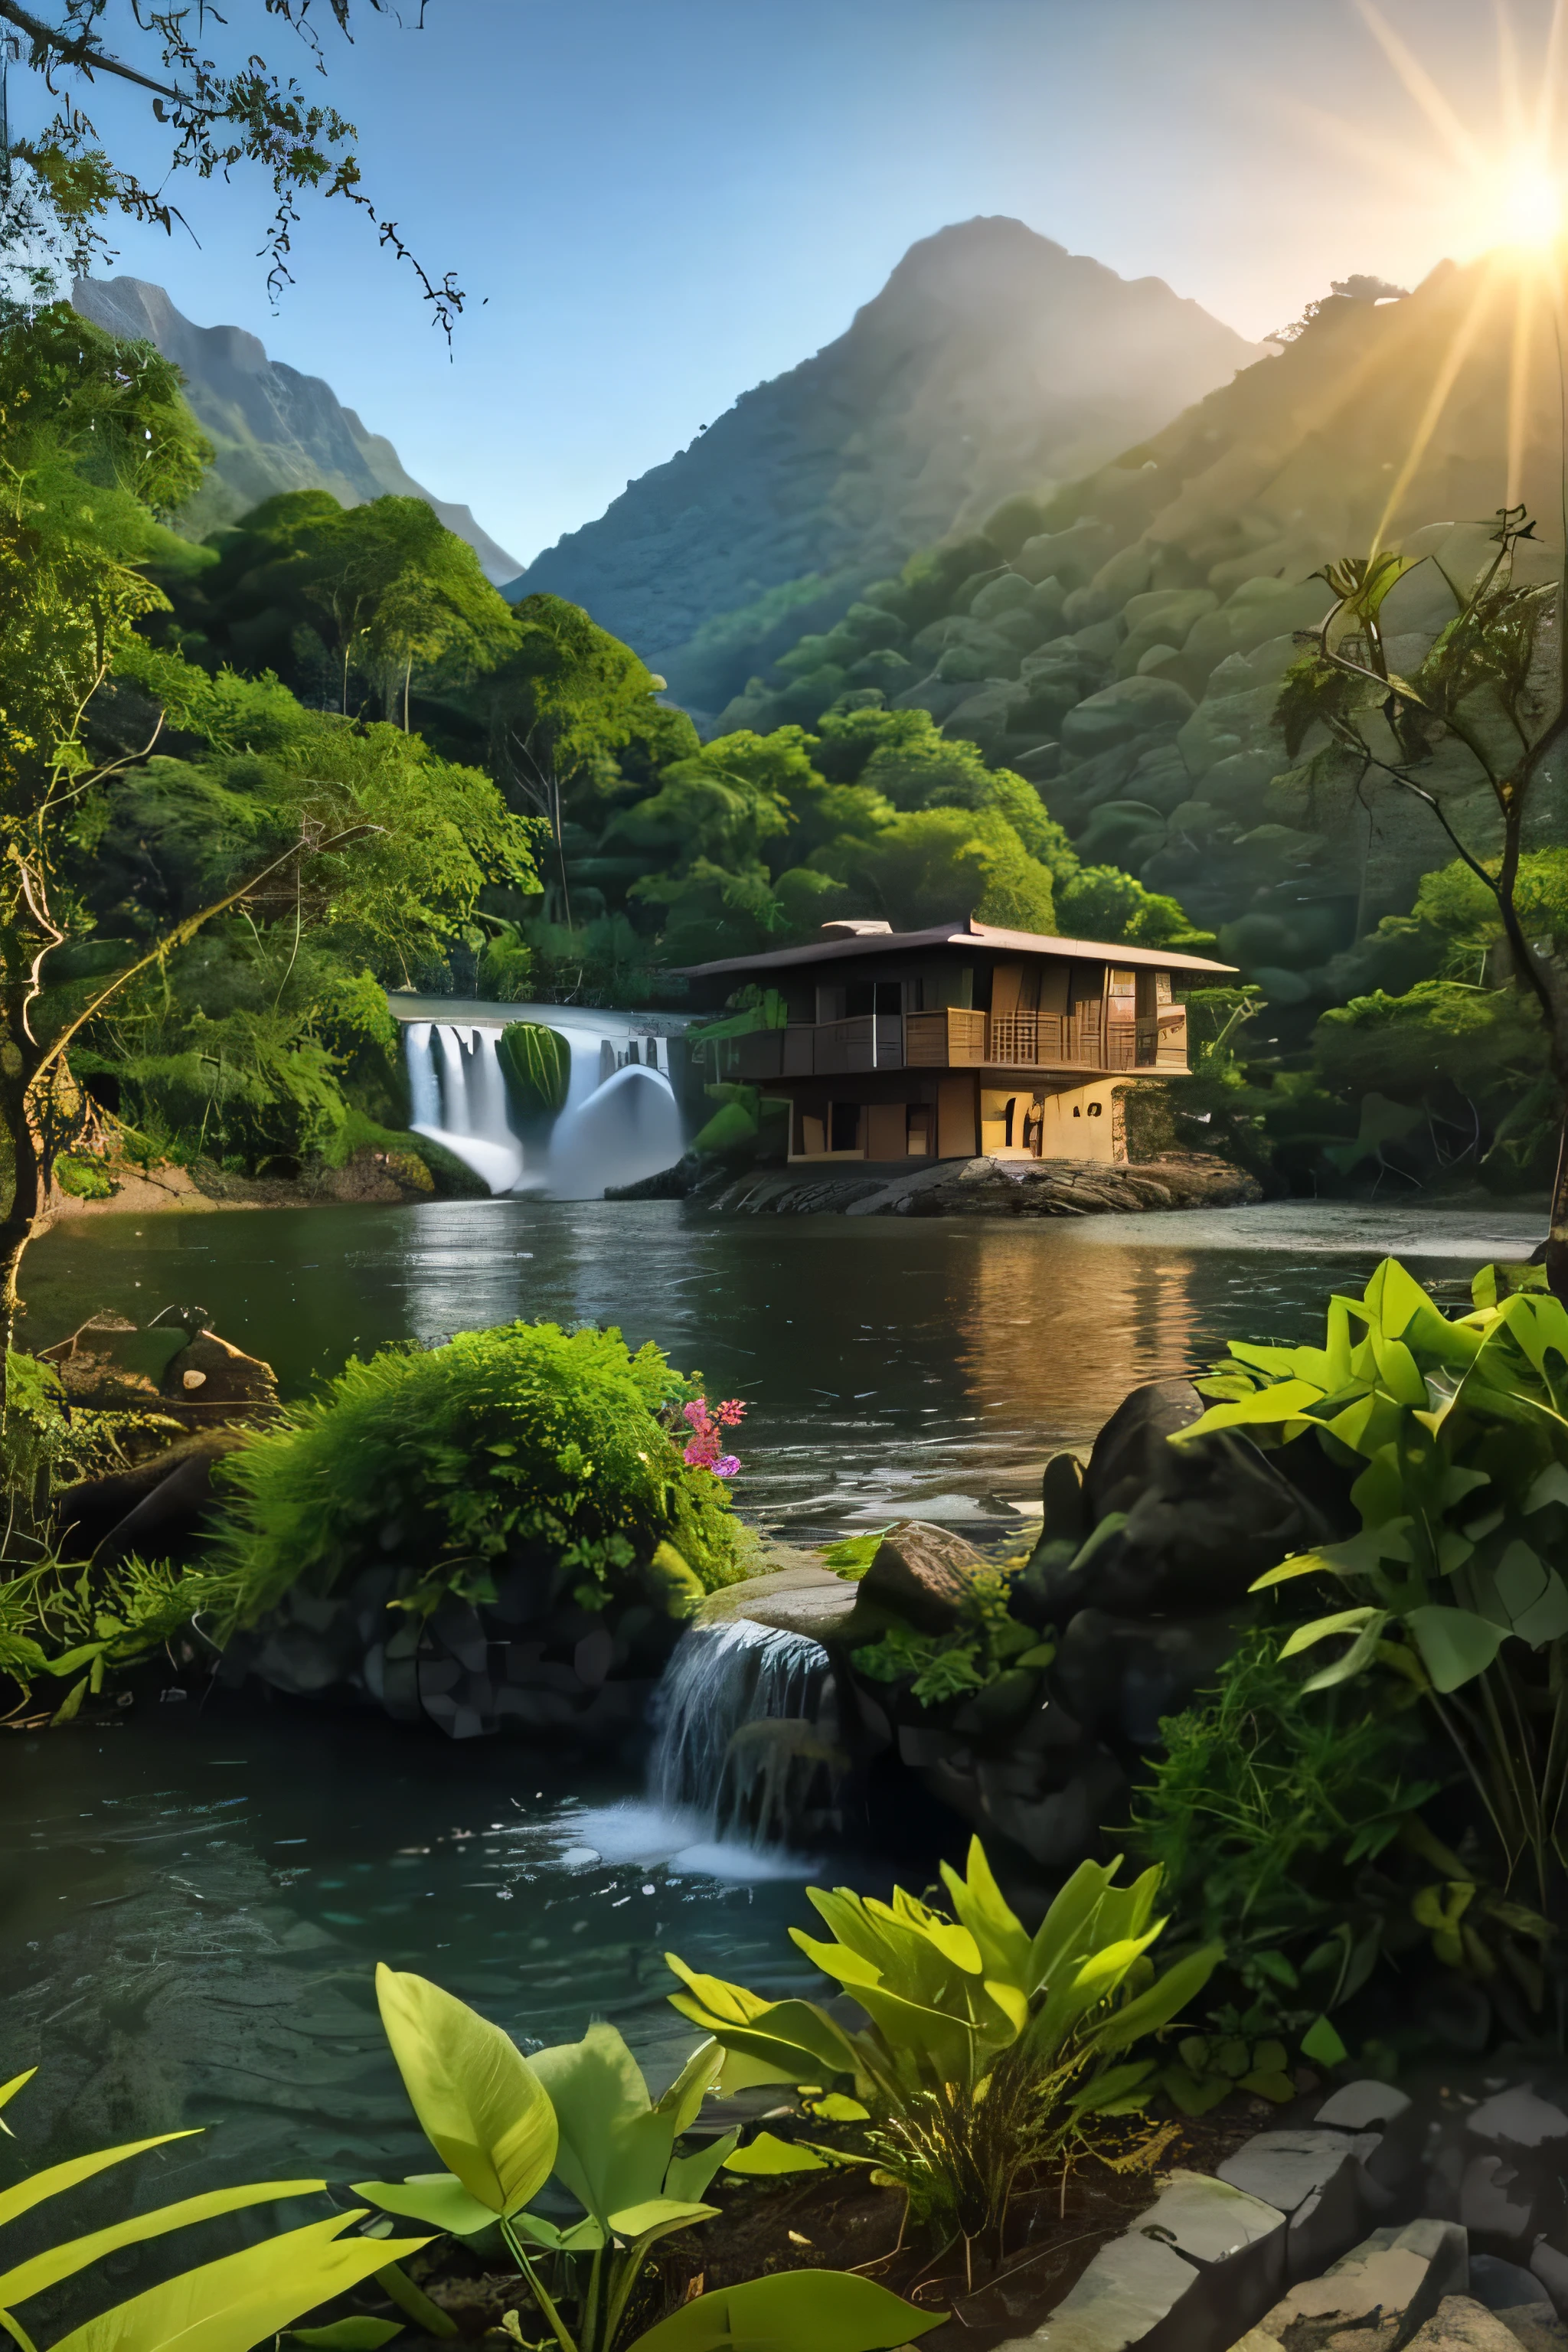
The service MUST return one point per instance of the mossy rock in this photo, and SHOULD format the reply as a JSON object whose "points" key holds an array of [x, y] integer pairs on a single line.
{"points": [[536, 1062]]}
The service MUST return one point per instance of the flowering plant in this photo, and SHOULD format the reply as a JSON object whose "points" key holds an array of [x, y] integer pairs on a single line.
{"points": [[707, 1425]]}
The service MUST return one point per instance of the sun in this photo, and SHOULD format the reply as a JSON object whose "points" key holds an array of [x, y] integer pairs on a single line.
{"points": [[1528, 203]]}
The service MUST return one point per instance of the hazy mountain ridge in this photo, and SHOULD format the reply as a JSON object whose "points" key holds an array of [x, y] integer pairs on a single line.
{"points": [[992, 360], [272, 428]]}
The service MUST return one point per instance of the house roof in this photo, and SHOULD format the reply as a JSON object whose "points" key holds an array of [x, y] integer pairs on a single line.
{"points": [[971, 934]]}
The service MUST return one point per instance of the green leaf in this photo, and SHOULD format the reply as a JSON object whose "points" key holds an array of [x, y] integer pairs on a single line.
{"points": [[62, 2262], [1284, 1401], [659, 2217], [613, 2149], [1344, 1621], [767, 2155], [682, 2102], [8, 2092], [399, 2288], [584, 2238], [480, 2104], [230, 2305], [364, 2334], [689, 2175], [1266, 2085], [1195, 2094], [1322, 2045], [828, 2311], [1165, 1999], [438, 2197], [1454, 1643], [838, 2109], [39, 2185]]}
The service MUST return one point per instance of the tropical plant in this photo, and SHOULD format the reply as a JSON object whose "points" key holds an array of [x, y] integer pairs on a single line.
{"points": [[1460, 1432], [984, 1642], [229, 2304], [537, 1062], [524, 1444], [1481, 715], [582, 2111], [987, 2050]]}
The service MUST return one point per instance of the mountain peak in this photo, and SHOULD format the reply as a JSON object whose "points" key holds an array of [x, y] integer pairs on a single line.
{"points": [[991, 361], [272, 428]]}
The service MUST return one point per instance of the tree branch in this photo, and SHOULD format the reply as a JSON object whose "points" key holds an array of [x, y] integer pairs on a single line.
{"points": [[75, 50]]}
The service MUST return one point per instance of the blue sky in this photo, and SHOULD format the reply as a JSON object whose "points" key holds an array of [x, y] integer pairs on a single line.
{"points": [[654, 204]]}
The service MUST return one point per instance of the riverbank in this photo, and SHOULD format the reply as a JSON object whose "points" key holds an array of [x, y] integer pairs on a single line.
{"points": [[369, 1177], [958, 1188]]}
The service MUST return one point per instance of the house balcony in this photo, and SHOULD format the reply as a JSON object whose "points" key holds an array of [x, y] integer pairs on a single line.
{"points": [[958, 1039]]}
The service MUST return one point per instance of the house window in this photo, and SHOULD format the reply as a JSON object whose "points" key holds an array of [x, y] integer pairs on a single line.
{"points": [[873, 996], [920, 1131]]}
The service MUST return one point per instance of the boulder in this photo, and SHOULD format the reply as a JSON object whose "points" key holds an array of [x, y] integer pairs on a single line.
{"points": [[211, 1377], [151, 1506], [920, 1572], [1373, 2298], [1133, 1443], [1462, 2325], [1119, 1676], [1130, 707]]}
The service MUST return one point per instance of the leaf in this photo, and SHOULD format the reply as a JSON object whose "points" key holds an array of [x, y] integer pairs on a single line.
{"points": [[39, 2185], [1195, 2094], [63, 2260], [689, 2175], [584, 2238], [838, 2109], [8, 2092], [657, 2216], [480, 2104], [613, 2149], [70, 1704], [233, 2303], [828, 2311], [1532, 1594], [1454, 1643], [1284, 1401], [767, 2155], [1323, 2044], [682, 2100], [438, 2197], [1344, 1621], [1165, 1999], [1362, 1652], [362, 2335], [1268, 2085]]}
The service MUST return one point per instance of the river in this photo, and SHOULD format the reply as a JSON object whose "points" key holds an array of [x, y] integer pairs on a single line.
{"points": [[194, 1901]]}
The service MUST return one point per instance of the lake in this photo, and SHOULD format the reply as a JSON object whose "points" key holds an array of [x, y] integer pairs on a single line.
{"points": [[194, 1901]]}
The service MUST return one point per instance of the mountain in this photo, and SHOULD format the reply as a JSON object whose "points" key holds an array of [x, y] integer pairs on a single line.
{"points": [[273, 429], [1122, 643], [992, 361]]}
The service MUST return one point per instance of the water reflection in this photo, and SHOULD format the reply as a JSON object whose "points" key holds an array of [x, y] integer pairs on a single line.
{"points": [[888, 1364]]}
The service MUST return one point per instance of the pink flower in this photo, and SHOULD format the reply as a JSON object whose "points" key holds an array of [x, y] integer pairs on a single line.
{"points": [[702, 1449], [726, 1467]]}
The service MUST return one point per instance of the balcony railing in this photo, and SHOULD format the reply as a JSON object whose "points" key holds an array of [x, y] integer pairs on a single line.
{"points": [[956, 1038]]}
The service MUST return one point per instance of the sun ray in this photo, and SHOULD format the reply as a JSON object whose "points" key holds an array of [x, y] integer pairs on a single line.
{"points": [[1437, 399], [1419, 83], [1520, 357]]}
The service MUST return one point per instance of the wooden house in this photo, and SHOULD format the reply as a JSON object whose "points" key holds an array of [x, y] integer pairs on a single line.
{"points": [[897, 1046]]}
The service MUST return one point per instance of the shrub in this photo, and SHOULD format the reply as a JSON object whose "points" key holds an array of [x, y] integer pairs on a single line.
{"points": [[84, 1179], [522, 1445]]}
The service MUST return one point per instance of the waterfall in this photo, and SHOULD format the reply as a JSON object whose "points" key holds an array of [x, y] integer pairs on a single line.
{"points": [[459, 1099], [621, 1130], [740, 1718]]}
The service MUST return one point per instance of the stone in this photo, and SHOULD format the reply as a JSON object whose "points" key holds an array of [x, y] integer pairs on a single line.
{"points": [[1459, 2324], [1284, 2167], [1130, 2287], [1517, 2117], [1535, 2325], [1128, 708], [152, 1508], [1489, 2202], [1498, 2284], [921, 1573], [1551, 2269], [1358, 2107], [211, 1376], [1124, 1454], [1372, 2298], [1125, 1673]]}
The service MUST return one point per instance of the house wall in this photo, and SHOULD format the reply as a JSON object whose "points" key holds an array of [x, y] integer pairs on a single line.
{"points": [[958, 1114]]}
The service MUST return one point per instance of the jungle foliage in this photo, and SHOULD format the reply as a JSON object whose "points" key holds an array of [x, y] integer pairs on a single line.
{"points": [[524, 1447]]}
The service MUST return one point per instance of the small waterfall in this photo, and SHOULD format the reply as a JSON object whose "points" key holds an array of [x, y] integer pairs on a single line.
{"points": [[742, 1719], [621, 1130], [459, 1099]]}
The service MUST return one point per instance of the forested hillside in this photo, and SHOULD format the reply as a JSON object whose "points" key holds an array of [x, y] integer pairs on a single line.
{"points": [[993, 360], [1122, 646]]}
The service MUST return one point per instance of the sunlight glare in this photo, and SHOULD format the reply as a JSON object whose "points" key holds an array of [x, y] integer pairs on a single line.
{"points": [[1530, 204]]}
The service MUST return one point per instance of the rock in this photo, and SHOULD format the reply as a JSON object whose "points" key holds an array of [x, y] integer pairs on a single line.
{"points": [[1493, 2200], [1501, 2284], [210, 1376], [157, 1503], [1551, 2269], [1461, 2325], [1208, 1518], [921, 1573], [1284, 2167], [1123, 1674], [1535, 2325], [1374, 2297], [1130, 2288], [1517, 2117], [1125, 1451], [1361, 2106], [1063, 1509]]}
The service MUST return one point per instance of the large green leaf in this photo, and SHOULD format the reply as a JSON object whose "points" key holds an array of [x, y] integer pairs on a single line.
{"points": [[38, 2185], [481, 2105], [438, 2197], [232, 2304], [793, 2311], [979, 1902], [682, 2100], [613, 2147], [1454, 1643], [657, 2217], [767, 2155], [537, 1064], [1165, 1999], [689, 2175], [62, 2262]]}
